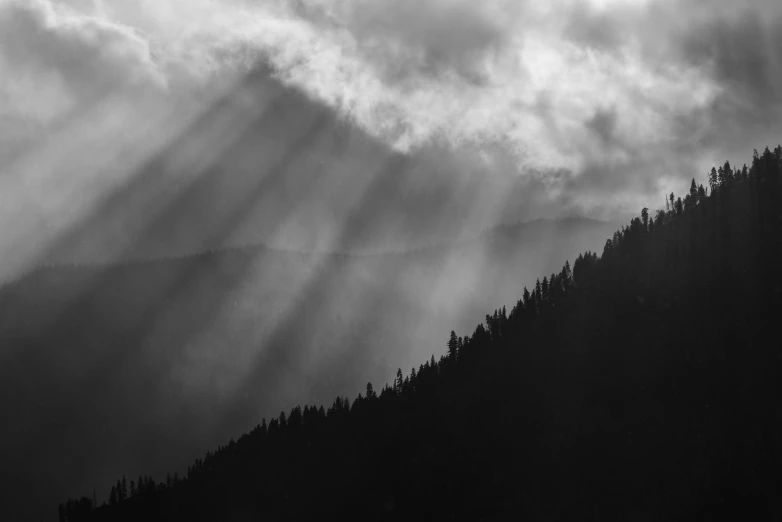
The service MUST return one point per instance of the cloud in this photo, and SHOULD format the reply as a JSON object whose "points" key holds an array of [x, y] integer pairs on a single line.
{"points": [[744, 55], [70, 59], [586, 91], [431, 38]]}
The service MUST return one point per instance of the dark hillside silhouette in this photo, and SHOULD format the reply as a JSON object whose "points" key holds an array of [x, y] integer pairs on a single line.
{"points": [[642, 384]]}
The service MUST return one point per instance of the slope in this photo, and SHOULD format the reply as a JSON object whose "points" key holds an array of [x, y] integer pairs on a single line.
{"points": [[640, 385]]}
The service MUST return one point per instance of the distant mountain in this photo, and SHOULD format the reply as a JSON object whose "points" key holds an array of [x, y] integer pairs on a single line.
{"points": [[639, 385], [142, 366]]}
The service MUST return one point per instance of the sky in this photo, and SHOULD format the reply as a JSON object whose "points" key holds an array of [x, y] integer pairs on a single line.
{"points": [[592, 107]]}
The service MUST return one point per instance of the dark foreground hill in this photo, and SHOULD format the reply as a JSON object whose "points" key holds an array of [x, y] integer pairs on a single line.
{"points": [[643, 384]]}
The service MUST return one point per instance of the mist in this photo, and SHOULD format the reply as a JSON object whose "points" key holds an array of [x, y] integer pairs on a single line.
{"points": [[267, 253], [145, 365], [213, 211]]}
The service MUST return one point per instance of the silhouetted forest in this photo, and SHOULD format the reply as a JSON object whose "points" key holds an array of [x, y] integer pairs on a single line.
{"points": [[642, 384]]}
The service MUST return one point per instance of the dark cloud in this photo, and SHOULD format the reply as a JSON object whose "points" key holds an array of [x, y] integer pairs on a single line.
{"points": [[409, 39], [603, 125], [602, 31], [744, 56], [739, 50]]}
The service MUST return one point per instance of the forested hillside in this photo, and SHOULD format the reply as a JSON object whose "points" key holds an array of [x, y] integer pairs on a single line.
{"points": [[642, 384]]}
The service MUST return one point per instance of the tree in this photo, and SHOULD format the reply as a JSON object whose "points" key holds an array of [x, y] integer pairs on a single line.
{"points": [[727, 173], [538, 293], [566, 276], [689, 202], [453, 346], [295, 418], [659, 218], [701, 196], [371, 395], [713, 179], [645, 218], [544, 290], [398, 381]]}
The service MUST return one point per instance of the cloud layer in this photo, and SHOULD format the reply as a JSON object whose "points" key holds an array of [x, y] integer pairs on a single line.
{"points": [[605, 102]]}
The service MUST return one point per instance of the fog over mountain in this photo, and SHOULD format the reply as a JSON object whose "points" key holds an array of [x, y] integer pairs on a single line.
{"points": [[142, 366], [211, 211]]}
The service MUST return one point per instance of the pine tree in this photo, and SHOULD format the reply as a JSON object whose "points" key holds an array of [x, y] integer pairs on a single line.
{"points": [[544, 290], [713, 179], [701, 197], [371, 395], [295, 417], [538, 293], [728, 173], [453, 346]]}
